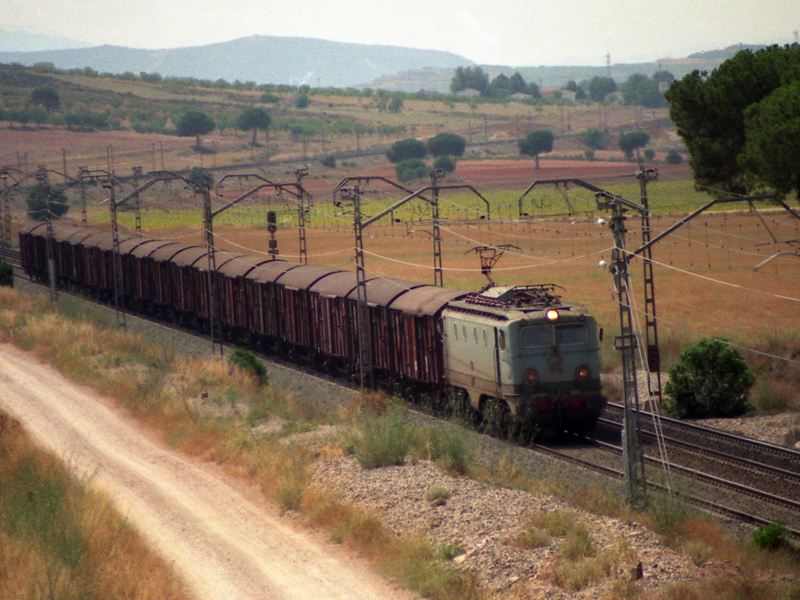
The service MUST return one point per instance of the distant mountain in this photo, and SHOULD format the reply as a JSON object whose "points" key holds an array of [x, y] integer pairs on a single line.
{"points": [[726, 53], [22, 41], [261, 59]]}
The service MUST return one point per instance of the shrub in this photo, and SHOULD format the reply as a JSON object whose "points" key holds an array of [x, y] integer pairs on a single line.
{"points": [[770, 537], [328, 161], [384, 439], [673, 158], [436, 492], [6, 274], [248, 361], [710, 380], [446, 447], [445, 163], [450, 550], [411, 169]]}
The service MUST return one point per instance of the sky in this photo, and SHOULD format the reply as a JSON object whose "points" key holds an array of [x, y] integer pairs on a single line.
{"points": [[515, 33]]}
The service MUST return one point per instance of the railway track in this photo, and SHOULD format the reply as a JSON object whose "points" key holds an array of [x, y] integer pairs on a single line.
{"points": [[11, 256], [756, 481], [717, 494]]}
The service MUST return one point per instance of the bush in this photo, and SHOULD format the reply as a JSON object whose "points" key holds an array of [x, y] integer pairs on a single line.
{"points": [[770, 537], [445, 163], [411, 169], [384, 439], [246, 360], [328, 161], [6, 274], [710, 380], [673, 158], [436, 492]]}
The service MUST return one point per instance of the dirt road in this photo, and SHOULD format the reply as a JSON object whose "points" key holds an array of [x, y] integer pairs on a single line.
{"points": [[223, 540]]}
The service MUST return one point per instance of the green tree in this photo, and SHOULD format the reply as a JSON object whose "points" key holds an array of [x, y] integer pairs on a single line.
{"points": [[395, 104], [500, 86], [37, 202], [772, 140], [594, 138], [301, 98], [710, 380], [600, 87], [638, 90], [404, 149], [200, 176], [666, 76], [536, 143], [254, 118], [470, 78], [47, 97], [709, 112], [446, 144], [517, 83], [196, 123], [445, 163], [411, 169], [633, 140]]}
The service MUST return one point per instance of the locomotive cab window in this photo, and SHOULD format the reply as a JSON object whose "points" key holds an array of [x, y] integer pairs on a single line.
{"points": [[535, 336], [571, 333], [542, 336]]}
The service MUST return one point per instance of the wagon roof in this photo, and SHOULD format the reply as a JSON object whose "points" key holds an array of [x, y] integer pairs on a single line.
{"points": [[271, 270], [96, 239], [107, 243], [166, 252], [335, 285], [425, 300], [187, 256], [62, 233], [220, 259], [147, 248], [127, 246], [77, 235], [32, 226], [304, 276], [240, 266], [382, 291]]}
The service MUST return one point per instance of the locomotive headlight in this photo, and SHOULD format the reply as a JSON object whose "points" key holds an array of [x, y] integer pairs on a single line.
{"points": [[552, 315], [530, 377], [583, 373]]}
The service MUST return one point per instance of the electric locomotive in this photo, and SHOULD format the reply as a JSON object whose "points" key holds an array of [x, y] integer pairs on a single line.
{"points": [[520, 354]]}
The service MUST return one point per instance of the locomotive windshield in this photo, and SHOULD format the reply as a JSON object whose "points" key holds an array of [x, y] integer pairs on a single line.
{"points": [[542, 336]]}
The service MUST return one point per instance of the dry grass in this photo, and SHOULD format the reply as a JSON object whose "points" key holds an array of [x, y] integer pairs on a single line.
{"points": [[61, 539]]}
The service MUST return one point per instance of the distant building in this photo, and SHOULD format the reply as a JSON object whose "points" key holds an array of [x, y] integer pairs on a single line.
{"points": [[520, 97], [468, 93]]}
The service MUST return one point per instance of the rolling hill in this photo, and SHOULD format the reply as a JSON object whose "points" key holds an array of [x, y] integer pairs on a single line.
{"points": [[261, 59]]}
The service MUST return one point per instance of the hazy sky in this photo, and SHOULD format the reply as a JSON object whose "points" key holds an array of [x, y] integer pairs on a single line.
{"points": [[506, 32]]}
